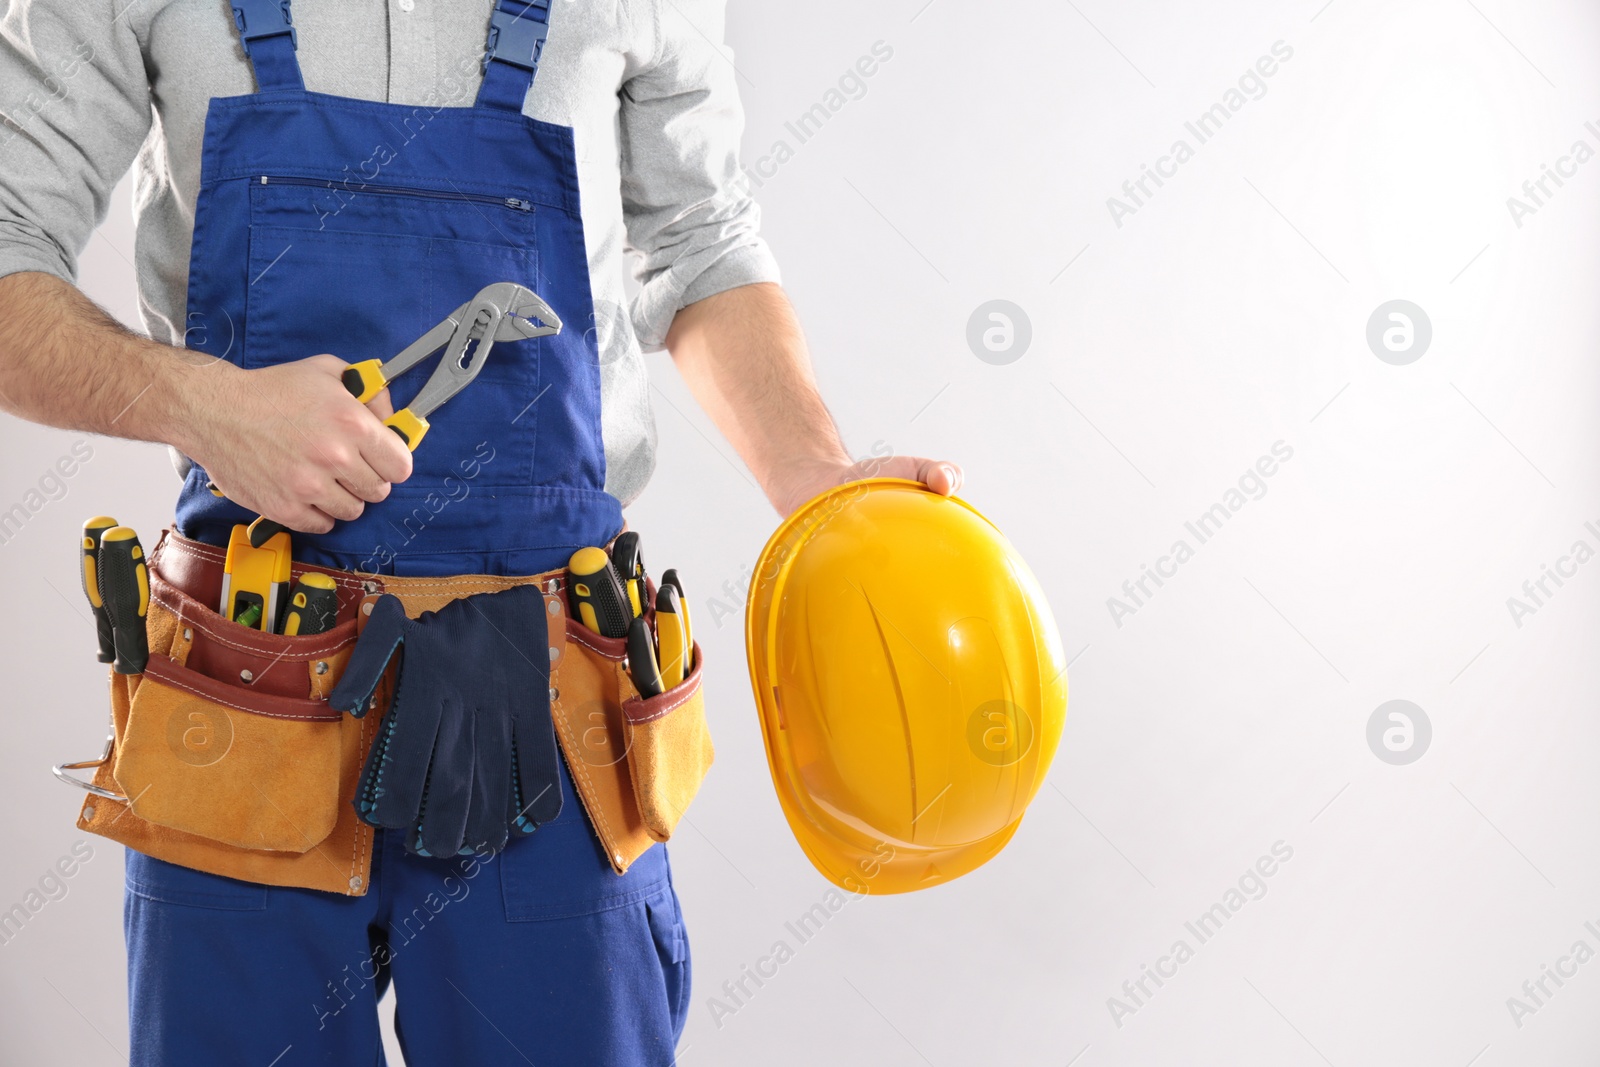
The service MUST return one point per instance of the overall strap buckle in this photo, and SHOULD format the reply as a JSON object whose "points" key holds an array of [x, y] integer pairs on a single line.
{"points": [[266, 29], [263, 18], [517, 33]]}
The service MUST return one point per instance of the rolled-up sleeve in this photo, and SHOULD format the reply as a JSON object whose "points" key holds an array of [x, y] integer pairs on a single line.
{"points": [[691, 221], [74, 110]]}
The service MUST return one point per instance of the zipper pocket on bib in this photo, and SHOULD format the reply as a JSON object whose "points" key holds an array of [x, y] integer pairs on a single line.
{"points": [[511, 202]]}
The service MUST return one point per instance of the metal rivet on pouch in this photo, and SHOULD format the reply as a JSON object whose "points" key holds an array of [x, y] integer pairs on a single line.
{"points": [[618, 857], [555, 694], [366, 609], [370, 587], [246, 676], [555, 653], [555, 607], [552, 586], [322, 667], [355, 882], [88, 813], [188, 634]]}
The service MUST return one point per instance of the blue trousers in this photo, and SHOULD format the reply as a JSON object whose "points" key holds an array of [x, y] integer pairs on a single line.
{"points": [[540, 954]]}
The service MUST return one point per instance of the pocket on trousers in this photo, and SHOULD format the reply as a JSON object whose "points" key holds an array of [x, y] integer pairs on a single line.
{"points": [[672, 946], [153, 879], [558, 873], [225, 736]]}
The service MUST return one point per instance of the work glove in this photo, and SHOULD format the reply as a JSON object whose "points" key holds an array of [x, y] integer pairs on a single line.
{"points": [[467, 753]]}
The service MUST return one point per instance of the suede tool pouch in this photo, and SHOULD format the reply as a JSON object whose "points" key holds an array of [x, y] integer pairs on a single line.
{"points": [[669, 751], [636, 762], [228, 735]]}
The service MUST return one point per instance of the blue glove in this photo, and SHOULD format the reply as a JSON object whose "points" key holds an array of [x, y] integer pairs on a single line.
{"points": [[467, 753]]}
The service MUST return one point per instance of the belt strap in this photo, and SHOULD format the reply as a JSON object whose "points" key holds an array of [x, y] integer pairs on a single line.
{"points": [[517, 32], [266, 30], [195, 569]]}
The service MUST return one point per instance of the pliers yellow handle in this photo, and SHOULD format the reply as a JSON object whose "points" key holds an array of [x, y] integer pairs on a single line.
{"points": [[365, 380]]}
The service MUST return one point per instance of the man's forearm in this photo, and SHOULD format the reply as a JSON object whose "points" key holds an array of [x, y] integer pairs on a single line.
{"points": [[288, 441], [745, 359], [64, 362]]}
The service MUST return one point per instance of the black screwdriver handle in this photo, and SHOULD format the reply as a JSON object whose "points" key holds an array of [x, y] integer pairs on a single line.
{"points": [[125, 588], [89, 572]]}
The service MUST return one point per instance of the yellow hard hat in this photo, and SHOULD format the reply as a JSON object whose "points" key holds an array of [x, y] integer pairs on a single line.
{"points": [[910, 681]]}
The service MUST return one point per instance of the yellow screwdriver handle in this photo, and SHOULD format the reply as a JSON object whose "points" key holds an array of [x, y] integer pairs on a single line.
{"points": [[674, 652]]}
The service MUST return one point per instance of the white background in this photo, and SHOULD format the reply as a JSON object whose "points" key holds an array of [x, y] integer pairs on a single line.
{"points": [[1230, 711]]}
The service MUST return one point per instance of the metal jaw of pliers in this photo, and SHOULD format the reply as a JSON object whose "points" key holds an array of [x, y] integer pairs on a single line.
{"points": [[505, 311]]}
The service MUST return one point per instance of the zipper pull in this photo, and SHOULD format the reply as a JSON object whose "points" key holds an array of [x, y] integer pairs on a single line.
{"points": [[263, 179], [518, 205]]}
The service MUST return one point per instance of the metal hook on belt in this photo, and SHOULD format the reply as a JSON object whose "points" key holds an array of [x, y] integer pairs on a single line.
{"points": [[60, 771]]}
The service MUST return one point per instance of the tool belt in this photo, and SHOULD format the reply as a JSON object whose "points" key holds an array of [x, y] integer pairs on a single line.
{"points": [[226, 757]]}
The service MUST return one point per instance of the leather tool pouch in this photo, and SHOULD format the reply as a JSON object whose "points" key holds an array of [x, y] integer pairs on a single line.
{"points": [[637, 762], [230, 760], [228, 755], [224, 738]]}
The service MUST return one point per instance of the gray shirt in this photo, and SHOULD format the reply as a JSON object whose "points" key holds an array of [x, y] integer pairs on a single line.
{"points": [[90, 88]]}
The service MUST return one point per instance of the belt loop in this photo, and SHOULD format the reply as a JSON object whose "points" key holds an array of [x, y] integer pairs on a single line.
{"points": [[266, 29], [517, 32]]}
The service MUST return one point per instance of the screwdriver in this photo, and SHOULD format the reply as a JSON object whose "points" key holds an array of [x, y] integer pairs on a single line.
{"points": [[597, 597], [125, 588], [670, 577], [313, 606], [675, 649], [642, 666], [628, 559], [93, 531]]}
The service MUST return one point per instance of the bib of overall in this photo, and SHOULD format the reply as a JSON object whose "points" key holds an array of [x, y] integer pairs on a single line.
{"points": [[327, 224], [330, 225]]}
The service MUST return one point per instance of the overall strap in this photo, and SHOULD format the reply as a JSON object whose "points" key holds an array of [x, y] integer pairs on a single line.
{"points": [[517, 31], [267, 32]]}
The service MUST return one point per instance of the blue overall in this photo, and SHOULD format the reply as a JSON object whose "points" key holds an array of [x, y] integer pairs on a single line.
{"points": [[327, 224]]}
